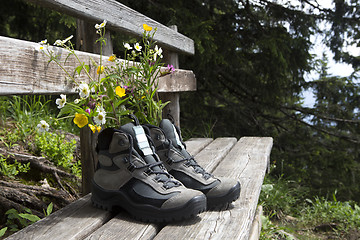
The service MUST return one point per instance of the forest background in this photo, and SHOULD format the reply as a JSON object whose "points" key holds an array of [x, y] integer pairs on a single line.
{"points": [[252, 63]]}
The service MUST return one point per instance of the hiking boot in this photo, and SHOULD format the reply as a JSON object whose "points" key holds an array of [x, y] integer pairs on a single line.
{"points": [[129, 175], [172, 151]]}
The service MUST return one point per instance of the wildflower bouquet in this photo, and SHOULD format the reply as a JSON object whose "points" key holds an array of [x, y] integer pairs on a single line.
{"points": [[125, 87]]}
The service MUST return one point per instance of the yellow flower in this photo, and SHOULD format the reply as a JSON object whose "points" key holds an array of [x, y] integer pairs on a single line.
{"points": [[120, 91], [100, 69], [112, 58], [147, 27], [94, 128], [80, 120]]}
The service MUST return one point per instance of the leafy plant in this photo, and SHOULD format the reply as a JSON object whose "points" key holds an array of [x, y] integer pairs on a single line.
{"points": [[279, 196], [272, 231], [123, 88], [343, 216], [12, 169], [57, 149], [17, 221]]}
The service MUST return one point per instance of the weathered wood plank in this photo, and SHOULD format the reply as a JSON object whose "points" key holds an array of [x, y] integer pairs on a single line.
{"points": [[210, 157], [25, 70], [195, 145], [75, 221], [247, 161], [120, 18], [123, 227], [256, 225]]}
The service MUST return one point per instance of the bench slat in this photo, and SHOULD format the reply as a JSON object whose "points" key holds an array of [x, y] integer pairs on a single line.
{"points": [[75, 221], [195, 145], [25, 70], [124, 227], [120, 18], [215, 152], [247, 161]]}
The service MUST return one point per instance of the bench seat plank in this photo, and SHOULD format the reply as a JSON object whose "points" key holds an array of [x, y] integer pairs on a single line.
{"points": [[212, 154], [247, 161], [75, 221], [195, 145], [124, 227]]}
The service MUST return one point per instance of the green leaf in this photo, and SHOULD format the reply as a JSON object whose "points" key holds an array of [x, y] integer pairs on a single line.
{"points": [[49, 209], [87, 67], [3, 231], [11, 211], [78, 69], [31, 217], [65, 110]]}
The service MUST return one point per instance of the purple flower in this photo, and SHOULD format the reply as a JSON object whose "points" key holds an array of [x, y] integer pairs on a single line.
{"points": [[170, 68], [91, 104], [88, 110]]}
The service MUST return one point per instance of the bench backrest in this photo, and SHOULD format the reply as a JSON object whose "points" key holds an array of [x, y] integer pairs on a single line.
{"points": [[30, 73]]}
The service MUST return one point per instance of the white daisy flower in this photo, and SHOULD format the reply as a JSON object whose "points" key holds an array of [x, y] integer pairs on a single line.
{"points": [[84, 90], [137, 47], [43, 126], [58, 43], [101, 25], [43, 42], [61, 101], [158, 52], [100, 119], [39, 47], [127, 46]]}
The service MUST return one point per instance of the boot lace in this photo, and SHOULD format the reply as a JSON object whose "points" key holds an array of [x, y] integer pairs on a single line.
{"points": [[156, 168], [189, 161]]}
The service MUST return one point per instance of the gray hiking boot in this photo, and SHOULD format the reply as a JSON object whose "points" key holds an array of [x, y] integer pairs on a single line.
{"points": [[131, 176], [172, 151]]}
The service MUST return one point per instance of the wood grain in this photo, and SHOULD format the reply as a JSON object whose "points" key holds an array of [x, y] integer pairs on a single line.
{"points": [[247, 161], [75, 221], [124, 227], [26, 70], [195, 145], [120, 18]]}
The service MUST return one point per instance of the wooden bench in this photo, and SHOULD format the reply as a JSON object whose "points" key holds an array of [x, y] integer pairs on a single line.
{"points": [[246, 159]]}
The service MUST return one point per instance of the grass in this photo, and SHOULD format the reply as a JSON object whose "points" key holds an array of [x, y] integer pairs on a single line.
{"points": [[289, 212]]}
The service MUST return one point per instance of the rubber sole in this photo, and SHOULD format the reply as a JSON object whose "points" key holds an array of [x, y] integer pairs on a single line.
{"points": [[145, 212], [221, 202]]}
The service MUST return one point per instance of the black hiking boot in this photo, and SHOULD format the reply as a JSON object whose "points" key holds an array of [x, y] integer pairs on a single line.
{"points": [[131, 176], [220, 192]]}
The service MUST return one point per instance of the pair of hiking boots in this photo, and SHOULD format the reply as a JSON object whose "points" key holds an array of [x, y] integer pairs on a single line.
{"points": [[147, 171]]}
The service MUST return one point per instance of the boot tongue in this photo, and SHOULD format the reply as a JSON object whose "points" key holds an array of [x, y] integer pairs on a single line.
{"points": [[141, 143], [171, 133], [142, 146]]}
